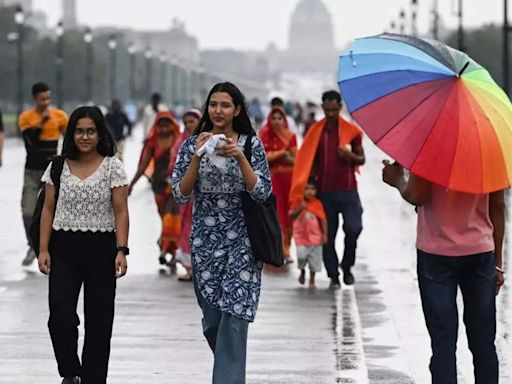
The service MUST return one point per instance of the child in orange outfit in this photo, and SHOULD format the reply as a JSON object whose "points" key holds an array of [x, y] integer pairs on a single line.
{"points": [[310, 233]]}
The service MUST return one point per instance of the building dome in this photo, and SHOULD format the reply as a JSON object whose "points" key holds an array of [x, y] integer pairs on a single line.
{"points": [[311, 27]]}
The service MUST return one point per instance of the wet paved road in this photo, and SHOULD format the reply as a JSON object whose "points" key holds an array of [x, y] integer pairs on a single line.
{"points": [[371, 334]]}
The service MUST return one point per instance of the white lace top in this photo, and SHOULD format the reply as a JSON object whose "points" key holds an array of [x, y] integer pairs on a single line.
{"points": [[86, 205]]}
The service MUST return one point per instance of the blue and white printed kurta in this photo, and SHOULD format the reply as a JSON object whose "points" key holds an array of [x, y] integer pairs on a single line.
{"points": [[225, 271]]}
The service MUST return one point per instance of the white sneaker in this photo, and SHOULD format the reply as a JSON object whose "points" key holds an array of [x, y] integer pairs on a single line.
{"points": [[29, 258]]}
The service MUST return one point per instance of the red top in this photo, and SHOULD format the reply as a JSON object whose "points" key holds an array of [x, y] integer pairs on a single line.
{"points": [[307, 229], [333, 173], [276, 141]]}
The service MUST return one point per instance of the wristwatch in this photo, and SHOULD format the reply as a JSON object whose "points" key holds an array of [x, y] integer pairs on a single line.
{"points": [[124, 249]]}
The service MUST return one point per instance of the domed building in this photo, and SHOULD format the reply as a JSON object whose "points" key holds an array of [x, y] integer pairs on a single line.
{"points": [[311, 28], [311, 40]]}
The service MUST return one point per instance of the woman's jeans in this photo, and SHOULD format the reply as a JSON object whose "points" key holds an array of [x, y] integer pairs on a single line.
{"points": [[227, 337], [439, 277]]}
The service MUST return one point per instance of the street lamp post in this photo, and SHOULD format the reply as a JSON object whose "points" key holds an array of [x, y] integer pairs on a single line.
{"points": [[112, 45], [392, 26], [174, 77], [461, 29], [435, 20], [163, 74], [202, 83], [402, 21], [132, 50], [506, 31], [88, 61], [59, 61], [19, 19], [414, 17], [148, 54]]}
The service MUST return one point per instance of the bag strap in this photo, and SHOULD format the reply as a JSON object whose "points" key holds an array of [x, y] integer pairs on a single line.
{"points": [[248, 147], [55, 172]]}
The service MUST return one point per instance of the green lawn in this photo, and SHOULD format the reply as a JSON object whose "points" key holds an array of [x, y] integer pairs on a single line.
{"points": [[9, 118], [9, 124]]}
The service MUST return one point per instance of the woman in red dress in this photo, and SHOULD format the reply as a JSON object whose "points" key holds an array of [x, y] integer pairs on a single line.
{"points": [[191, 119], [158, 150], [281, 146]]}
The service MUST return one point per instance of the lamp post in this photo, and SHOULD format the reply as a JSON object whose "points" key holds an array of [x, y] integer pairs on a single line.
{"points": [[163, 74], [148, 54], [402, 21], [392, 26], [202, 83], [174, 84], [88, 63], [414, 17], [461, 29], [506, 31], [435, 20], [59, 60], [112, 45], [132, 50], [19, 19]]}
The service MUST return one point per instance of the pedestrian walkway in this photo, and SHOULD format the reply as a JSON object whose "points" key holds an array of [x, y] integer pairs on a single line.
{"points": [[373, 333]]}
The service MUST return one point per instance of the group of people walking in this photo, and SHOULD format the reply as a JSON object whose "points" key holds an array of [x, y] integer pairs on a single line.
{"points": [[197, 177]]}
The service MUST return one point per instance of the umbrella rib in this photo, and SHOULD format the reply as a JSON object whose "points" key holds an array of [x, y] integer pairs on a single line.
{"points": [[442, 77], [465, 96], [411, 111], [433, 125], [489, 96], [420, 45], [440, 68]]}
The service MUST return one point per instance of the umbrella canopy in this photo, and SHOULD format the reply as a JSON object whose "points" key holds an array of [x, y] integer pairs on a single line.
{"points": [[431, 108]]}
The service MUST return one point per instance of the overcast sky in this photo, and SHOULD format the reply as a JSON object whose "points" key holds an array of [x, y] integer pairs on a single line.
{"points": [[252, 24]]}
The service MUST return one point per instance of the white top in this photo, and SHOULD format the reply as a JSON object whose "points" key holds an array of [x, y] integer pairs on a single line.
{"points": [[86, 205]]}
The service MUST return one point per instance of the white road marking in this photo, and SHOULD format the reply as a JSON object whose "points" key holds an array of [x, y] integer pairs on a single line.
{"points": [[350, 358]]}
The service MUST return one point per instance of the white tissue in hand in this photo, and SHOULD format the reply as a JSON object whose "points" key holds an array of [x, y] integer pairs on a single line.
{"points": [[208, 149]]}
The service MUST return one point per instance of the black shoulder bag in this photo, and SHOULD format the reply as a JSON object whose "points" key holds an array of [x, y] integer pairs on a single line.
{"points": [[262, 223], [35, 227]]}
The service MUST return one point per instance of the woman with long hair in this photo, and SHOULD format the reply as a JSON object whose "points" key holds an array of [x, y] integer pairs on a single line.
{"points": [[281, 147], [157, 148], [84, 240], [191, 119], [227, 278]]}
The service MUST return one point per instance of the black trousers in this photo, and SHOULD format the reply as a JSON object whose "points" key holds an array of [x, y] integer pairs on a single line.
{"points": [[349, 205], [82, 258]]}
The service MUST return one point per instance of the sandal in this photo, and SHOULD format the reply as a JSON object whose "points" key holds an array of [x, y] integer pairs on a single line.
{"points": [[186, 277], [162, 260]]}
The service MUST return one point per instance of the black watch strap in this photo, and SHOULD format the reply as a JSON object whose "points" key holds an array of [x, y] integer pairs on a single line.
{"points": [[123, 249]]}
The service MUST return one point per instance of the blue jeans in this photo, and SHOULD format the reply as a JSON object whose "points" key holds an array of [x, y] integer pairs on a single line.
{"points": [[227, 338], [348, 204], [439, 277]]}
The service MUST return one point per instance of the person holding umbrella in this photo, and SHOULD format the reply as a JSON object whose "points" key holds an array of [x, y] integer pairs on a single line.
{"points": [[459, 244], [439, 114]]}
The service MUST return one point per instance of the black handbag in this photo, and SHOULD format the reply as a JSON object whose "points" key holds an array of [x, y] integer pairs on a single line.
{"points": [[262, 224]]}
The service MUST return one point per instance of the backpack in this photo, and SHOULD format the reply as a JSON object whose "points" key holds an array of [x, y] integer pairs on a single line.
{"points": [[35, 228]]}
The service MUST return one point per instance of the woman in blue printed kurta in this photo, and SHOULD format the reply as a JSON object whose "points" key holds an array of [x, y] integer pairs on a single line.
{"points": [[227, 278]]}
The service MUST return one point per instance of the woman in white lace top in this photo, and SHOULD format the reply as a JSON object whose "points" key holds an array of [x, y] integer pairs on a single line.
{"points": [[84, 237]]}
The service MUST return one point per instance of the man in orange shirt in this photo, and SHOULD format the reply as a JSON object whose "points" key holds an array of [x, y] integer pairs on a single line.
{"points": [[41, 127]]}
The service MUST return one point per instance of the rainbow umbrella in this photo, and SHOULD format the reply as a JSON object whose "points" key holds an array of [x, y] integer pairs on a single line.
{"points": [[431, 108]]}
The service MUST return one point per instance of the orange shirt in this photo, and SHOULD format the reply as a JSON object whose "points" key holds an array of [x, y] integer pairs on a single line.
{"points": [[51, 130], [41, 144]]}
